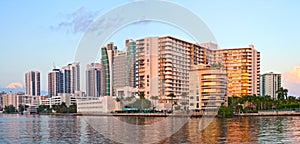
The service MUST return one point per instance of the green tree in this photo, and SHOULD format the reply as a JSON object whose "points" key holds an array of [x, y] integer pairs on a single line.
{"points": [[21, 108], [141, 95], [155, 98], [282, 93], [172, 96], [10, 109], [73, 108]]}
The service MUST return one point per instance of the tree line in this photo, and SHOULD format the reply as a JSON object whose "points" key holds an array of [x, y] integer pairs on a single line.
{"points": [[254, 103]]}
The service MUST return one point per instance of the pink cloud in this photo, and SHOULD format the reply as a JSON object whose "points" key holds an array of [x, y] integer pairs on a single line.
{"points": [[15, 85], [291, 81]]}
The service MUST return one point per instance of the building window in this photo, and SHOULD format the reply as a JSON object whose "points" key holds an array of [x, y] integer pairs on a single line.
{"points": [[191, 104]]}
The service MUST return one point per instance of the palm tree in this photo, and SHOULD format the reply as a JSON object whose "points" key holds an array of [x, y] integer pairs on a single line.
{"points": [[172, 95], [282, 93], [155, 98], [141, 95]]}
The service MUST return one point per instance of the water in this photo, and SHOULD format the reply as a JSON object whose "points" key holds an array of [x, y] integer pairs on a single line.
{"points": [[77, 129]]}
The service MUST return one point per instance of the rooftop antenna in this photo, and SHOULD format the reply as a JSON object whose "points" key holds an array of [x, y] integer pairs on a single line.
{"points": [[54, 66]]}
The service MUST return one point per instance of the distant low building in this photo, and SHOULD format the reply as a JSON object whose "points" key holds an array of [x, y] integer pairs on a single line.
{"points": [[270, 83], [100, 105]]}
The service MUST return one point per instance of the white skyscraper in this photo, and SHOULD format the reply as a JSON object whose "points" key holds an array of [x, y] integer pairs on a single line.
{"points": [[270, 83], [32, 83]]}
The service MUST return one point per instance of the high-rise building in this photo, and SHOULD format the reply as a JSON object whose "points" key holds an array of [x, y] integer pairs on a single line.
{"points": [[71, 77], [93, 79], [107, 56], [124, 67], [243, 69], [118, 68], [164, 64], [32, 83], [207, 87], [270, 83], [55, 82]]}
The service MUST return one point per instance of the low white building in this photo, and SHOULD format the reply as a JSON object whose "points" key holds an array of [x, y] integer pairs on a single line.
{"points": [[101, 105], [68, 99]]}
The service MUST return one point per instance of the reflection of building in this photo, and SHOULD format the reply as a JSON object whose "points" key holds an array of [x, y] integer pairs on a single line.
{"points": [[32, 83], [243, 70], [207, 88], [55, 82], [93, 79], [164, 64]]}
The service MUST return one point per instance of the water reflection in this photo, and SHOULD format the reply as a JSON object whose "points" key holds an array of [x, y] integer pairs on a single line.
{"points": [[68, 129]]}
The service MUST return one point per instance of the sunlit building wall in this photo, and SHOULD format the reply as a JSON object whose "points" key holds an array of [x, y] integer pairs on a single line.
{"points": [[207, 87], [242, 66], [164, 64]]}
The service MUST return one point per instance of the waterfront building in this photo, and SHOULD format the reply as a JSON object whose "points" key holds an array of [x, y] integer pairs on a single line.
{"points": [[19, 98], [93, 79], [55, 82], [97, 106], [242, 66], [71, 77], [32, 83], [118, 68], [207, 88], [164, 64], [107, 55], [270, 83], [124, 69]]}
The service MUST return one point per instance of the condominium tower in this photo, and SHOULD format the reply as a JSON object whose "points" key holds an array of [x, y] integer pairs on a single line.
{"points": [[55, 82], [93, 79], [32, 83], [119, 68], [71, 77], [242, 66], [270, 83], [164, 64], [208, 87]]}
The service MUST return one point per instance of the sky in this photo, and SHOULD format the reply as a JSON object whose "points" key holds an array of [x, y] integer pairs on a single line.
{"points": [[38, 35]]}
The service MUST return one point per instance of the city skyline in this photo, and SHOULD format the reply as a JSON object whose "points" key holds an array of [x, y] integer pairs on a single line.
{"points": [[40, 44]]}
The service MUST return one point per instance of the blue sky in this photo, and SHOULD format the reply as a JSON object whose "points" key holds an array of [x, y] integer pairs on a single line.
{"points": [[35, 35]]}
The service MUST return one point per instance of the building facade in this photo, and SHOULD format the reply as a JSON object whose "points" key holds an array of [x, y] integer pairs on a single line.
{"points": [[270, 83], [71, 77], [55, 82], [32, 83], [207, 88], [93, 79], [118, 68], [242, 66], [107, 57], [164, 64]]}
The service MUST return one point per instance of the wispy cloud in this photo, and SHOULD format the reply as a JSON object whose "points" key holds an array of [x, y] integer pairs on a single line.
{"points": [[15, 85], [291, 80], [76, 22]]}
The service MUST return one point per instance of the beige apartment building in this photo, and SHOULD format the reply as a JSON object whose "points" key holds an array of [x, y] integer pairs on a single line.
{"points": [[208, 87], [164, 64], [242, 66]]}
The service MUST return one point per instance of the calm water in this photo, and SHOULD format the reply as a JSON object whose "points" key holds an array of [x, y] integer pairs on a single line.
{"points": [[68, 129]]}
